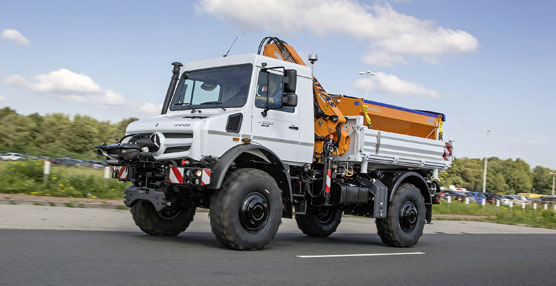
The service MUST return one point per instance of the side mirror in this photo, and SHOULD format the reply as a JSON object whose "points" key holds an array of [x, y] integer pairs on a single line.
{"points": [[290, 81], [289, 99]]}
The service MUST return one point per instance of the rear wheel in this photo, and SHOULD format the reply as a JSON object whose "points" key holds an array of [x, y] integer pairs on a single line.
{"points": [[321, 222], [245, 213], [406, 218], [169, 221]]}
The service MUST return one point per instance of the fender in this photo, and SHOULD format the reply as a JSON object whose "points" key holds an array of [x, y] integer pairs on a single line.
{"points": [[394, 181], [279, 171]]}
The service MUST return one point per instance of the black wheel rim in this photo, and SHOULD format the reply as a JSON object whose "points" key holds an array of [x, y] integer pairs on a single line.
{"points": [[254, 211], [169, 213], [408, 216], [325, 215]]}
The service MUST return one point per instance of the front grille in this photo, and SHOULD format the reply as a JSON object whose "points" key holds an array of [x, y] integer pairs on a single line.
{"points": [[178, 135], [234, 123], [176, 149]]}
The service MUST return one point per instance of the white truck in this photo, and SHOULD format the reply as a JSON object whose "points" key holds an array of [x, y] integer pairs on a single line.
{"points": [[254, 138]]}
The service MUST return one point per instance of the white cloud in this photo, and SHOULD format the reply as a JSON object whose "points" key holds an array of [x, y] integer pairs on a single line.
{"points": [[78, 87], [112, 98], [15, 79], [16, 36], [392, 85], [150, 108], [2, 98], [62, 81], [392, 37]]}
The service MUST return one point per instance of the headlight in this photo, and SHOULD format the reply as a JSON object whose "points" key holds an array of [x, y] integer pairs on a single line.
{"points": [[198, 172], [187, 172], [145, 149]]}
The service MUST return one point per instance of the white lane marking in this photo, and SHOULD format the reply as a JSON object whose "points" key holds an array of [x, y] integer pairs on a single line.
{"points": [[359, 255]]}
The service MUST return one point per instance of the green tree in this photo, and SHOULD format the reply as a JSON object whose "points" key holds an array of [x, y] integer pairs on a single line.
{"points": [[465, 173], [542, 180], [519, 182], [498, 184], [16, 133], [120, 127], [504, 176], [6, 111], [52, 138], [81, 134]]}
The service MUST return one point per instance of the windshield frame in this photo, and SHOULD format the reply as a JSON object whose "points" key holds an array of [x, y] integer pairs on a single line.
{"points": [[178, 108]]}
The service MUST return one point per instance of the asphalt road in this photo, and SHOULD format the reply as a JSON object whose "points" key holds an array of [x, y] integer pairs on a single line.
{"points": [[61, 257], [42, 245]]}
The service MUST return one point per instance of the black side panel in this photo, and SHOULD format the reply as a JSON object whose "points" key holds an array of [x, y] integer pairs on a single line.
{"points": [[380, 191], [234, 123]]}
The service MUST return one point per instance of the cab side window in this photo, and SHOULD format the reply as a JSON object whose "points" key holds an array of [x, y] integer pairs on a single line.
{"points": [[270, 87]]}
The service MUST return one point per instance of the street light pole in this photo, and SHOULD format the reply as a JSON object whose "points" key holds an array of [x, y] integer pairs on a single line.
{"points": [[487, 131], [369, 73], [553, 181]]}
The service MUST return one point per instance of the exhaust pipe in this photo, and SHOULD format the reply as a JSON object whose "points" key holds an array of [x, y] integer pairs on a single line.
{"points": [[171, 87]]}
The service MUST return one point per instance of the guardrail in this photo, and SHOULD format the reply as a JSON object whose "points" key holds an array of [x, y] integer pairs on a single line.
{"points": [[510, 205]]}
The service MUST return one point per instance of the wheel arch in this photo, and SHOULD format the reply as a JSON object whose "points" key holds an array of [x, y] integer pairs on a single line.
{"points": [[239, 154], [395, 180]]}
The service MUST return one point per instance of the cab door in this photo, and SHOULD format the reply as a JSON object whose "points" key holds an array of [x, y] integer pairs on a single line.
{"points": [[279, 129]]}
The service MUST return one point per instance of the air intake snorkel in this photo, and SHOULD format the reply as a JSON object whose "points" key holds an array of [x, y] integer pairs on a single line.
{"points": [[172, 86]]}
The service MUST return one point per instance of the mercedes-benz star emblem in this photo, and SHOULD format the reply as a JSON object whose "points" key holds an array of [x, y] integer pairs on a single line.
{"points": [[156, 140]]}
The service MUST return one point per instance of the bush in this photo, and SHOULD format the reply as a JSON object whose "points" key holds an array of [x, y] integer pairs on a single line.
{"points": [[26, 177], [503, 214]]}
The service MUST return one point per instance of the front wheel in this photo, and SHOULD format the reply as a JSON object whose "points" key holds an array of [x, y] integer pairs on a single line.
{"points": [[406, 218], [245, 213], [321, 222], [167, 222]]}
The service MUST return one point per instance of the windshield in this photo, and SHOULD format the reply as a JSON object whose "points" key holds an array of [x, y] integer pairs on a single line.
{"points": [[213, 88]]}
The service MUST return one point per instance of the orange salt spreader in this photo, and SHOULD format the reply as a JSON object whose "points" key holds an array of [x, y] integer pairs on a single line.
{"points": [[386, 117]]}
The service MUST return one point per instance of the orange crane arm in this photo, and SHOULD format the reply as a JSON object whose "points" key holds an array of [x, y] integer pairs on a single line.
{"points": [[329, 119]]}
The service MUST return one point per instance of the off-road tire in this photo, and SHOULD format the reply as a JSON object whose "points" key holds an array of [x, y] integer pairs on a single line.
{"points": [[319, 222], [399, 232], [153, 223], [232, 225]]}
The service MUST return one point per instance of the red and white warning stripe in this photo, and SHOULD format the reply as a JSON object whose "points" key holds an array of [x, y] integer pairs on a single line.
{"points": [[121, 172], [176, 175], [447, 151], [328, 180], [205, 178]]}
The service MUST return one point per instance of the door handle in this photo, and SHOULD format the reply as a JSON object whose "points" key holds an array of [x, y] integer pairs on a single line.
{"points": [[294, 127]]}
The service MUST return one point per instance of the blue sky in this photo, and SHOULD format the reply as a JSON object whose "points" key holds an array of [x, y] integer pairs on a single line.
{"points": [[485, 64]]}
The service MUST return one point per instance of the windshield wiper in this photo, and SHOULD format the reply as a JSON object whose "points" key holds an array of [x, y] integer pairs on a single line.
{"points": [[187, 105], [213, 102]]}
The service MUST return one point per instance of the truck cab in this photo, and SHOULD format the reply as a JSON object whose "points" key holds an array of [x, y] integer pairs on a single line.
{"points": [[232, 100]]}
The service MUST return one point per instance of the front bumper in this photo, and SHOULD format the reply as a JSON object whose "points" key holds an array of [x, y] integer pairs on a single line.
{"points": [[187, 176]]}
